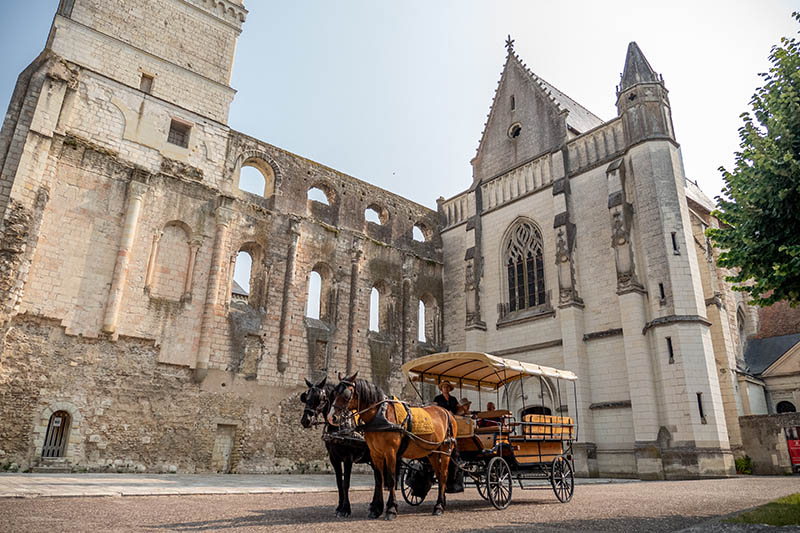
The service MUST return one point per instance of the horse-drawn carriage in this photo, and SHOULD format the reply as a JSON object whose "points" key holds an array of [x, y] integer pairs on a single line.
{"points": [[528, 442], [493, 455]]}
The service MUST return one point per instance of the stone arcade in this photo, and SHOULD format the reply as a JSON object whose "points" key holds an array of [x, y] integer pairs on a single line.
{"points": [[579, 244]]}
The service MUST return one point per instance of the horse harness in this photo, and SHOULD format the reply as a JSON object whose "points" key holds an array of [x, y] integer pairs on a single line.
{"points": [[380, 423]]}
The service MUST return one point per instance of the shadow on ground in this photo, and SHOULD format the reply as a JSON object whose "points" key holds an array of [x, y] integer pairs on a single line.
{"points": [[319, 515]]}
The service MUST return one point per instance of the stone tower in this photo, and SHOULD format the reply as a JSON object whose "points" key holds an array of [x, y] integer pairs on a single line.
{"points": [[666, 315]]}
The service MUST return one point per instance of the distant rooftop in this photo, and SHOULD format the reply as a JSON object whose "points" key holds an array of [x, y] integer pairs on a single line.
{"points": [[761, 353]]}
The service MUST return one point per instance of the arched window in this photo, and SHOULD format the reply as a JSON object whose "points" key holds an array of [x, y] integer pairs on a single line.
{"points": [[242, 273], [419, 234], [374, 309], [55, 440], [524, 266], [785, 407], [429, 325], [316, 194], [421, 323], [376, 214], [257, 177], [740, 322], [314, 302]]}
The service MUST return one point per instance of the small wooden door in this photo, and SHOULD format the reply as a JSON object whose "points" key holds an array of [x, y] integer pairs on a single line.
{"points": [[55, 441]]}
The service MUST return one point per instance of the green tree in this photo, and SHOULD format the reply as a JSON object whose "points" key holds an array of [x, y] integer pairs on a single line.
{"points": [[760, 233]]}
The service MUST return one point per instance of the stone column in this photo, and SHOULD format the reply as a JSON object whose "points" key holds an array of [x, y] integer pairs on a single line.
{"points": [[291, 257], [224, 216], [194, 246], [136, 189], [151, 264], [355, 259]]}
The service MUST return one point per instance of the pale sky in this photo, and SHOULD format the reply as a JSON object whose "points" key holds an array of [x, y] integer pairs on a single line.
{"points": [[396, 92]]}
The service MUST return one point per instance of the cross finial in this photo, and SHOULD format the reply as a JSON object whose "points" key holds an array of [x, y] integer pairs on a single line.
{"points": [[510, 43]]}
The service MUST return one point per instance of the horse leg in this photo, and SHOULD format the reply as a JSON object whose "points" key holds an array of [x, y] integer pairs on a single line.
{"points": [[439, 463], [348, 468], [376, 507], [390, 466], [337, 468]]}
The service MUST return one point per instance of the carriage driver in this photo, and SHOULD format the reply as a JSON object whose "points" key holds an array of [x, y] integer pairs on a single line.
{"points": [[445, 400]]}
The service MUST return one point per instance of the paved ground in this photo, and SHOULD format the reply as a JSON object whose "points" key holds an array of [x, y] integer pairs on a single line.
{"points": [[643, 506], [76, 485]]}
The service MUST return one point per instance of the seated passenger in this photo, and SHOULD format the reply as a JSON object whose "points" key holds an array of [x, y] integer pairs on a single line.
{"points": [[444, 400], [463, 407], [490, 422]]}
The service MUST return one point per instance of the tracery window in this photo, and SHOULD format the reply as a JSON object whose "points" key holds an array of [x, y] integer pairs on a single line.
{"points": [[525, 267]]}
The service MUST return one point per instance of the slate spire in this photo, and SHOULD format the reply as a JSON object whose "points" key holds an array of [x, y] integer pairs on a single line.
{"points": [[637, 69]]}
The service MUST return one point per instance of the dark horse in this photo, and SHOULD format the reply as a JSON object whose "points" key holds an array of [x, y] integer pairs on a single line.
{"points": [[343, 450], [389, 441]]}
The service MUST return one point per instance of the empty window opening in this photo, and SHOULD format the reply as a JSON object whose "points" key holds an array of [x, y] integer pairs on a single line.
{"points": [[252, 180], [675, 243], [670, 351], [374, 309], [146, 83], [700, 407], [313, 303], [372, 215], [661, 292], [785, 407], [241, 273], [179, 134], [256, 176], [513, 103], [418, 234], [515, 130], [55, 440], [315, 194], [421, 324]]}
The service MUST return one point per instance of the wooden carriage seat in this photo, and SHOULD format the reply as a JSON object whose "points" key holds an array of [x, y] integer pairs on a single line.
{"points": [[465, 426], [538, 427]]}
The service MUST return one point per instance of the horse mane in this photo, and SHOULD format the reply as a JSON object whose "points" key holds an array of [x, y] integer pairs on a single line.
{"points": [[368, 393]]}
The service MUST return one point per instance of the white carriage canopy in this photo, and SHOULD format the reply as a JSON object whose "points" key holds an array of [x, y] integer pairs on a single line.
{"points": [[476, 370]]}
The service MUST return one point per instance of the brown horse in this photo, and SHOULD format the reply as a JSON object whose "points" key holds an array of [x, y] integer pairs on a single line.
{"points": [[388, 442]]}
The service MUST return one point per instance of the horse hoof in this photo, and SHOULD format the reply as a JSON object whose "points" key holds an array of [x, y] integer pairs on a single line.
{"points": [[373, 515], [437, 511], [390, 516], [344, 514]]}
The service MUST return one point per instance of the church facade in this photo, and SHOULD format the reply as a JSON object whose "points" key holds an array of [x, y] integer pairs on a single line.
{"points": [[127, 345]]}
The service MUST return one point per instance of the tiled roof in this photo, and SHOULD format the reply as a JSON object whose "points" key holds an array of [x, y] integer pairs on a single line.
{"points": [[761, 353]]}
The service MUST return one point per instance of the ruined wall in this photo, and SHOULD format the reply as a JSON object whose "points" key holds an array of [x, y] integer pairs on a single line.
{"points": [[764, 441], [119, 249]]}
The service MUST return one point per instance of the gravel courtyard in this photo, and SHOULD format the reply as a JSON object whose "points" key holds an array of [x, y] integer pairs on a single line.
{"points": [[651, 506]]}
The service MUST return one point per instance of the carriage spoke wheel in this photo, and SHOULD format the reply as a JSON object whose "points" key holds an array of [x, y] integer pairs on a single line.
{"points": [[562, 479], [411, 468], [480, 484], [499, 482]]}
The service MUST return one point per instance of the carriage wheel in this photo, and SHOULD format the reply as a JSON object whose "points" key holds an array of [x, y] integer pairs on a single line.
{"points": [[499, 482], [413, 466], [562, 479], [480, 484]]}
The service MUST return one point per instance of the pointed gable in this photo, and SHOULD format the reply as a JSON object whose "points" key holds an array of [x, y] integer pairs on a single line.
{"points": [[528, 118], [786, 364]]}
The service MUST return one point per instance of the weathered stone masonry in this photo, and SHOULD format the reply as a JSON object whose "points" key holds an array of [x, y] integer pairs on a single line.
{"points": [[118, 251]]}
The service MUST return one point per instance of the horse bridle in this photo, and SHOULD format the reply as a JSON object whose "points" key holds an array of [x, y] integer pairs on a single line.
{"points": [[314, 413]]}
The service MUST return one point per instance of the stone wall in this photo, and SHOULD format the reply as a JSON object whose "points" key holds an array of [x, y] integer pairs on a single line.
{"points": [[119, 249], [764, 441]]}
